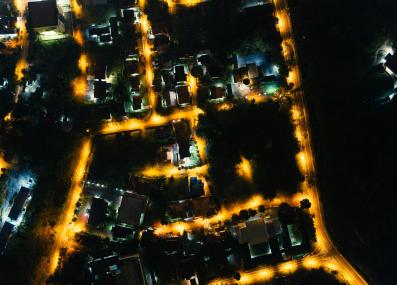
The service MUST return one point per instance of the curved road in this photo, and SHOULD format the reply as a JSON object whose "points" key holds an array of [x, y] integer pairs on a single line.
{"points": [[324, 247]]}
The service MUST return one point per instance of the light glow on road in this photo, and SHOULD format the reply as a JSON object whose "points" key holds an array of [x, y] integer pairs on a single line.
{"points": [[20, 5], [19, 69], [80, 86], [77, 9], [244, 169], [66, 230], [3, 164], [78, 37], [83, 63]]}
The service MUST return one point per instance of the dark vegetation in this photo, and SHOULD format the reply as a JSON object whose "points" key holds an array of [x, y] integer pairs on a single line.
{"points": [[262, 133], [48, 152], [117, 155], [354, 137], [223, 27], [309, 277]]}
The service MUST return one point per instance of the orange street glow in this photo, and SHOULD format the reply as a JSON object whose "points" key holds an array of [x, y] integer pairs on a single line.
{"points": [[63, 234], [78, 37], [77, 9], [19, 69], [83, 63], [3, 164], [80, 86], [288, 267], [244, 169], [20, 5]]}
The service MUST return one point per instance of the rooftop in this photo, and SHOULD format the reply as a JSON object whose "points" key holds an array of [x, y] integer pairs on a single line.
{"points": [[132, 209], [97, 212]]}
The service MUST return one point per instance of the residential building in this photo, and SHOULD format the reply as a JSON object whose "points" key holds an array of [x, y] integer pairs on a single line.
{"points": [[19, 203], [5, 234], [391, 64], [132, 209], [97, 212]]}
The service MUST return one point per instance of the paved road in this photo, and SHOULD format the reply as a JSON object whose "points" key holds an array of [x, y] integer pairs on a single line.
{"points": [[325, 246]]}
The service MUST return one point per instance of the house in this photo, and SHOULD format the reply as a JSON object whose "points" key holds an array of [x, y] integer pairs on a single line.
{"points": [[169, 98], [137, 103], [100, 70], [97, 212], [7, 28], [171, 245], [43, 14], [254, 233], [131, 272], [120, 233], [95, 2], [295, 235], [391, 64], [177, 188], [217, 92], [129, 15], [100, 89], [203, 206], [131, 66], [132, 209], [184, 97], [182, 134], [5, 234], [19, 203], [135, 82], [196, 187], [180, 210], [161, 43], [254, 3], [180, 75], [102, 34], [104, 269], [65, 16], [169, 154], [113, 269]]}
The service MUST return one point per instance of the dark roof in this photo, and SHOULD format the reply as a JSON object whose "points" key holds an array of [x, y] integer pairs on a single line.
{"points": [[121, 232], [103, 269], [196, 187], [100, 88], [97, 212], [105, 38], [100, 69], [130, 273], [5, 234], [131, 208], [131, 67], [137, 102], [180, 75], [114, 26], [171, 245], [19, 201], [182, 134], [135, 82], [183, 94], [43, 13], [240, 73], [203, 206], [391, 62], [128, 15], [217, 92]]}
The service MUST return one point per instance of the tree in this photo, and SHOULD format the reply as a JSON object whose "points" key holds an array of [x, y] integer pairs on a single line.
{"points": [[305, 204], [237, 276], [252, 212], [261, 209], [235, 218], [244, 215]]}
